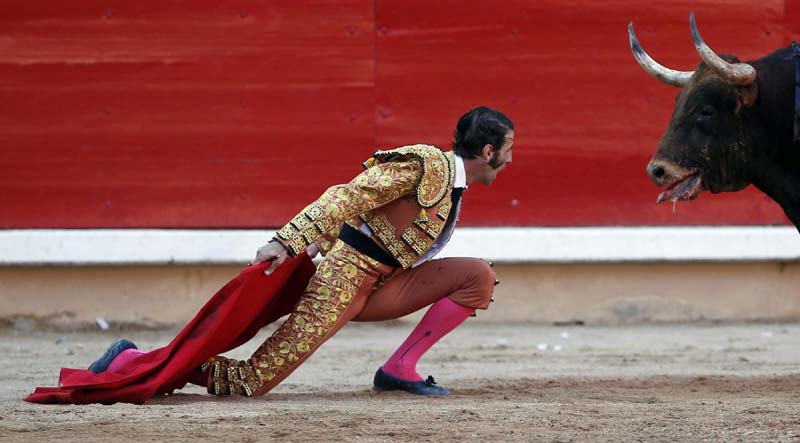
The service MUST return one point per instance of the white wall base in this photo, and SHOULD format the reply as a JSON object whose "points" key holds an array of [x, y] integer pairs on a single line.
{"points": [[22, 247]]}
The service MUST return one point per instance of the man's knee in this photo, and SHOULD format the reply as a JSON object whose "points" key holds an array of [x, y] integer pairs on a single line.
{"points": [[478, 284]]}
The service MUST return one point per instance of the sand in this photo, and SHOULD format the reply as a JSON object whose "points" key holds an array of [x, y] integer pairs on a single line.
{"points": [[678, 382]]}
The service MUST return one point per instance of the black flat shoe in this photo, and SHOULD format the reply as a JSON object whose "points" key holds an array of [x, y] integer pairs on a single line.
{"points": [[386, 382], [101, 364]]}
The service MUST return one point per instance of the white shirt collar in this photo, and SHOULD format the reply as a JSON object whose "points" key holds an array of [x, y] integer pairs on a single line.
{"points": [[461, 173]]}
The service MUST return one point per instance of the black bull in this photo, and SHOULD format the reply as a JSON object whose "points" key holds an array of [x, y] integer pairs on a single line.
{"points": [[732, 126]]}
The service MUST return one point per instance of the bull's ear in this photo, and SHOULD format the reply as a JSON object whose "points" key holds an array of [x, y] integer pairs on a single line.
{"points": [[746, 96]]}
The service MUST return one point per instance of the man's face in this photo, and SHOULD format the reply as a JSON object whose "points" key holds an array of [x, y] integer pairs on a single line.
{"points": [[499, 159]]}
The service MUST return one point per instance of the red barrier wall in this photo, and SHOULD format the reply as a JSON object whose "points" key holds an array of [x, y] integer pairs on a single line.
{"points": [[236, 114]]}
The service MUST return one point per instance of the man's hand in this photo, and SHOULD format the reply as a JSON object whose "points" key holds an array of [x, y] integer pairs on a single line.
{"points": [[272, 250], [312, 250]]}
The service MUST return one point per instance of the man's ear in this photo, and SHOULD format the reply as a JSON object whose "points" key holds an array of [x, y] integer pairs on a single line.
{"points": [[487, 152]]}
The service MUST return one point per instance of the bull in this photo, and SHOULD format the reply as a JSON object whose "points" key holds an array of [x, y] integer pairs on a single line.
{"points": [[732, 126]]}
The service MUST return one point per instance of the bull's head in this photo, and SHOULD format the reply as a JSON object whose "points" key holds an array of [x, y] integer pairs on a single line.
{"points": [[705, 146]]}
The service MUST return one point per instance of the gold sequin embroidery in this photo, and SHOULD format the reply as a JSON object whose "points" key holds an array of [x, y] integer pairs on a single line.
{"points": [[328, 295], [384, 232], [417, 242], [444, 210], [438, 170], [431, 227], [378, 185]]}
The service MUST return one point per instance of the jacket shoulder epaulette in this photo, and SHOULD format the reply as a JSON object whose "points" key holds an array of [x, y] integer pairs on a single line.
{"points": [[438, 170]]}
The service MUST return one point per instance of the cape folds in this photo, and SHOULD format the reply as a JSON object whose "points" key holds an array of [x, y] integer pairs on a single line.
{"points": [[232, 316]]}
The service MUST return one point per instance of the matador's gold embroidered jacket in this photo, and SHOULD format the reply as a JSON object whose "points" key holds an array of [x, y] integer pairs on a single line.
{"points": [[403, 196]]}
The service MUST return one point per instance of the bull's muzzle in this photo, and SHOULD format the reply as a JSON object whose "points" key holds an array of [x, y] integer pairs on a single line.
{"points": [[660, 171]]}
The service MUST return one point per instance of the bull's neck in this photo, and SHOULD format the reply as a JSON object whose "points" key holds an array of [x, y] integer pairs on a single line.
{"points": [[774, 108], [780, 185], [775, 168], [778, 177]]}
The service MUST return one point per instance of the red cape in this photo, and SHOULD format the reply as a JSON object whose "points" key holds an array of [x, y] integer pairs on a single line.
{"points": [[233, 316]]}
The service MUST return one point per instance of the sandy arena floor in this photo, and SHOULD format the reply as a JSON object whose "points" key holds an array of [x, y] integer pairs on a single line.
{"points": [[633, 383]]}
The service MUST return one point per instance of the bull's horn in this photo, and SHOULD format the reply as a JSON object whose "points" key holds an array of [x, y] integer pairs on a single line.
{"points": [[736, 73], [652, 67]]}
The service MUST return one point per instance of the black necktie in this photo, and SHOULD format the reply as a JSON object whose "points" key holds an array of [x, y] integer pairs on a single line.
{"points": [[455, 196]]}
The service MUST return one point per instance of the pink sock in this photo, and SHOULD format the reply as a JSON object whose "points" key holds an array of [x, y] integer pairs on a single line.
{"points": [[123, 359], [441, 318]]}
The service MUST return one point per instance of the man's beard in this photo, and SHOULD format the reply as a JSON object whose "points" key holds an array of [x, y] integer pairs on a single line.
{"points": [[495, 162]]}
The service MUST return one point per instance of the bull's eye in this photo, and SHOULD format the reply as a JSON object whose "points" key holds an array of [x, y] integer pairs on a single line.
{"points": [[705, 120]]}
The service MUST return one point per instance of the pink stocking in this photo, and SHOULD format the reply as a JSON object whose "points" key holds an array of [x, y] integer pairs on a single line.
{"points": [[441, 318], [123, 358]]}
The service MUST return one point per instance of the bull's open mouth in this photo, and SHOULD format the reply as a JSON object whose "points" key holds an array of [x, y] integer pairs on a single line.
{"points": [[685, 188]]}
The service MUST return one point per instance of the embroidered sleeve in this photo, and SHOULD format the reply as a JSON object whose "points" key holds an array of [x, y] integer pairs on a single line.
{"points": [[326, 241], [375, 187]]}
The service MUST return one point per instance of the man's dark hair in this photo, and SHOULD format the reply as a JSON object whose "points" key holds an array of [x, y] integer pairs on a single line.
{"points": [[480, 127]]}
